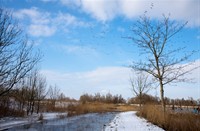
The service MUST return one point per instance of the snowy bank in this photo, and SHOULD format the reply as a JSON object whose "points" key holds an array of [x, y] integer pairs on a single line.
{"points": [[10, 122], [128, 121]]}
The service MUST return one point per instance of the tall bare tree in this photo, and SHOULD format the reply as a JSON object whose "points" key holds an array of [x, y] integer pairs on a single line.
{"points": [[163, 62], [16, 55], [40, 90], [53, 93], [31, 97], [140, 85]]}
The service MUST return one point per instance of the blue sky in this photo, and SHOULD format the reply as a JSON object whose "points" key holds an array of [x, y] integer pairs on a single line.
{"points": [[83, 45]]}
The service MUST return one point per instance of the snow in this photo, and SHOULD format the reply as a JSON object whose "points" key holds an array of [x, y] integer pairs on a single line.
{"points": [[127, 121], [48, 116], [10, 122]]}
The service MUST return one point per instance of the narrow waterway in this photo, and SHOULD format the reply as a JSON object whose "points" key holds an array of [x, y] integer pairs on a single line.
{"points": [[88, 122]]}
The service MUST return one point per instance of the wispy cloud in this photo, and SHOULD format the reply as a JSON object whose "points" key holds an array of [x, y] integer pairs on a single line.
{"points": [[48, 0], [36, 17], [103, 10], [41, 30], [115, 80], [121, 29], [78, 50], [43, 23], [66, 20], [71, 3]]}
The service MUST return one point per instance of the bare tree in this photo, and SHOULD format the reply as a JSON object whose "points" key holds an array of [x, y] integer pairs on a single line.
{"points": [[16, 55], [161, 62], [31, 97], [40, 90], [54, 93], [140, 85]]}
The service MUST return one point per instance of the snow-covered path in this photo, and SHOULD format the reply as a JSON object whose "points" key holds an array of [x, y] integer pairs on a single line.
{"points": [[128, 121]]}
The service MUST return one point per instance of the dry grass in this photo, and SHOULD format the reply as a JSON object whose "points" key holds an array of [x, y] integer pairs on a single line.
{"points": [[97, 108], [127, 108], [171, 121]]}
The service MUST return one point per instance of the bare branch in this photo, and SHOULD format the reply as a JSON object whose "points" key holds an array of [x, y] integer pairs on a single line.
{"points": [[17, 58]]}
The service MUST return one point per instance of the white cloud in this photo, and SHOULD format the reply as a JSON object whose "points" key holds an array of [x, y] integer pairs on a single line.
{"points": [[113, 79], [36, 17], [78, 50], [42, 23], [39, 21], [195, 74], [101, 9], [104, 10], [71, 3], [41, 30], [66, 20], [116, 81]]}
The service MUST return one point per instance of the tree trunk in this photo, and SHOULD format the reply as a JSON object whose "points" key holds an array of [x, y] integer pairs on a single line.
{"points": [[32, 107], [38, 106], [28, 108], [140, 97], [162, 96]]}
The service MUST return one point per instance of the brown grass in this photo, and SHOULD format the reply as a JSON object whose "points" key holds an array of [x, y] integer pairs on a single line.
{"points": [[97, 108], [171, 121]]}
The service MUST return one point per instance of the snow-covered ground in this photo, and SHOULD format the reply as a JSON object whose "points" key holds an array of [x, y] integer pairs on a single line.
{"points": [[128, 121], [9, 122], [125, 121]]}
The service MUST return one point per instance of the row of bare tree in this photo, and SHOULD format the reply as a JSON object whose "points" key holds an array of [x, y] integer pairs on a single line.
{"points": [[22, 87], [30, 95], [108, 98], [149, 99]]}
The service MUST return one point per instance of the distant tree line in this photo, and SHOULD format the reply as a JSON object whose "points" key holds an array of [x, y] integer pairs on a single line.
{"points": [[108, 98], [149, 99], [144, 99]]}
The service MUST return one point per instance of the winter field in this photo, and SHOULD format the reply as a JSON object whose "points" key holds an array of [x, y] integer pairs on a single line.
{"points": [[124, 121]]}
